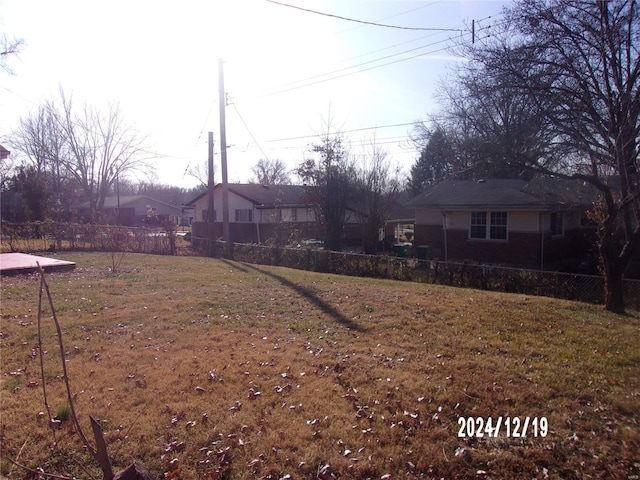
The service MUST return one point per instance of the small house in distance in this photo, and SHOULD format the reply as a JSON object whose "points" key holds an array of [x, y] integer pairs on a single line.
{"points": [[277, 214], [539, 223], [134, 210], [4, 153]]}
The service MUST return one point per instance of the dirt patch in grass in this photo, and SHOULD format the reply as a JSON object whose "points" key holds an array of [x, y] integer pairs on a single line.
{"points": [[201, 368]]}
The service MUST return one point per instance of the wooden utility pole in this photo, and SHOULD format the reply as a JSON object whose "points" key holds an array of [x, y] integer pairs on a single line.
{"points": [[210, 207], [223, 154]]}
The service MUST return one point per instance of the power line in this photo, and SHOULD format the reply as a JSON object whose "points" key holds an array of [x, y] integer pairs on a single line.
{"points": [[266, 157], [400, 141], [353, 73], [399, 14], [279, 89], [387, 48], [186, 169], [282, 90], [302, 137], [362, 21]]}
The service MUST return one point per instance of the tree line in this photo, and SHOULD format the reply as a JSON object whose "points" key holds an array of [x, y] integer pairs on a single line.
{"points": [[554, 90], [73, 154]]}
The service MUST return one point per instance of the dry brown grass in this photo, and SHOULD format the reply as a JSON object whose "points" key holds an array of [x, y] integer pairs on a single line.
{"points": [[203, 368]]}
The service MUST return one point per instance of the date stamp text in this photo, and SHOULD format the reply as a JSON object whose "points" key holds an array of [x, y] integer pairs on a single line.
{"points": [[510, 427]]}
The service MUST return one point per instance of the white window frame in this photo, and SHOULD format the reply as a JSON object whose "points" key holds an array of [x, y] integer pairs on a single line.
{"points": [[489, 225], [288, 214], [244, 215]]}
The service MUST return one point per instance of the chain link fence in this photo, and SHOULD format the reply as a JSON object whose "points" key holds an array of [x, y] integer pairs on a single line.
{"points": [[569, 286], [52, 237]]}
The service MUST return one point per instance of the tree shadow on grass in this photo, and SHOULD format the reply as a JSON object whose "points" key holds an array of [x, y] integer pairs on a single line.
{"points": [[312, 297], [233, 265]]}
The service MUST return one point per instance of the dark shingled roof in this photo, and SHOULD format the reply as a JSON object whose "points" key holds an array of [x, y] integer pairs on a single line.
{"points": [[4, 153], [271, 195], [124, 200], [266, 195], [513, 194]]}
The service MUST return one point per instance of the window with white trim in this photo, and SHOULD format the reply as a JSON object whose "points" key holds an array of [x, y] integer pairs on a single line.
{"points": [[478, 228], [244, 215], [288, 214], [488, 226]]}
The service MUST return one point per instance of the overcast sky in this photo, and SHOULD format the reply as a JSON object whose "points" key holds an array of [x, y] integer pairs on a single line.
{"points": [[287, 71]]}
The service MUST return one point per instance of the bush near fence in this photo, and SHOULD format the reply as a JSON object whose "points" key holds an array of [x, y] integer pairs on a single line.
{"points": [[568, 286], [52, 237]]}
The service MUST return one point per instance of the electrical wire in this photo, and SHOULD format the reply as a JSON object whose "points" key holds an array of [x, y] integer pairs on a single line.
{"points": [[266, 157], [213, 103], [336, 77], [339, 17], [399, 14], [398, 140], [292, 85], [302, 137]]}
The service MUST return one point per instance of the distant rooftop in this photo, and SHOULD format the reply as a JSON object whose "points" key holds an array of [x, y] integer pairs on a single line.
{"points": [[513, 194], [266, 195], [4, 153]]}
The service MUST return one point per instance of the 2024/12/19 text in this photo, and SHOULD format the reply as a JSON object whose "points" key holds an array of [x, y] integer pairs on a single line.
{"points": [[510, 427]]}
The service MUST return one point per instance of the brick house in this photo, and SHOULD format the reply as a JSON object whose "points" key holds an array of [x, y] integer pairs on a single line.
{"points": [[539, 223], [277, 214]]}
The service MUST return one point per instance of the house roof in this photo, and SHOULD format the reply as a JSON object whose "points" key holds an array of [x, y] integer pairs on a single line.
{"points": [[265, 196], [541, 193], [399, 210], [4, 153], [112, 202]]}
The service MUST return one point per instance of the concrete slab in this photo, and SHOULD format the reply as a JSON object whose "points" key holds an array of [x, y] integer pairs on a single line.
{"points": [[14, 263]]}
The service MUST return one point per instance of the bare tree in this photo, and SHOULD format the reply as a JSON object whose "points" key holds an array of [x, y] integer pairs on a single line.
{"points": [[270, 172], [200, 171], [100, 148], [574, 66], [377, 188], [9, 47], [39, 137], [86, 148], [329, 177]]}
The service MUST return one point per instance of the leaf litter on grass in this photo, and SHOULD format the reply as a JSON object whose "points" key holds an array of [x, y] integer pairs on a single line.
{"points": [[204, 369]]}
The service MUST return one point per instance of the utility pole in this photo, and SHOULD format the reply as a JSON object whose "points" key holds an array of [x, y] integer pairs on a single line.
{"points": [[223, 154], [118, 193], [210, 208]]}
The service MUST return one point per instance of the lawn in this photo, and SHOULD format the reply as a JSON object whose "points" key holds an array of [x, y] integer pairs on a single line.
{"points": [[203, 368]]}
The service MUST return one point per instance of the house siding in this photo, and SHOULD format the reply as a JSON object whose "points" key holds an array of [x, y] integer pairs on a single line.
{"points": [[278, 225], [432, 235], [285, 214], [239, 232], [522, 248], [275, 233]]}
